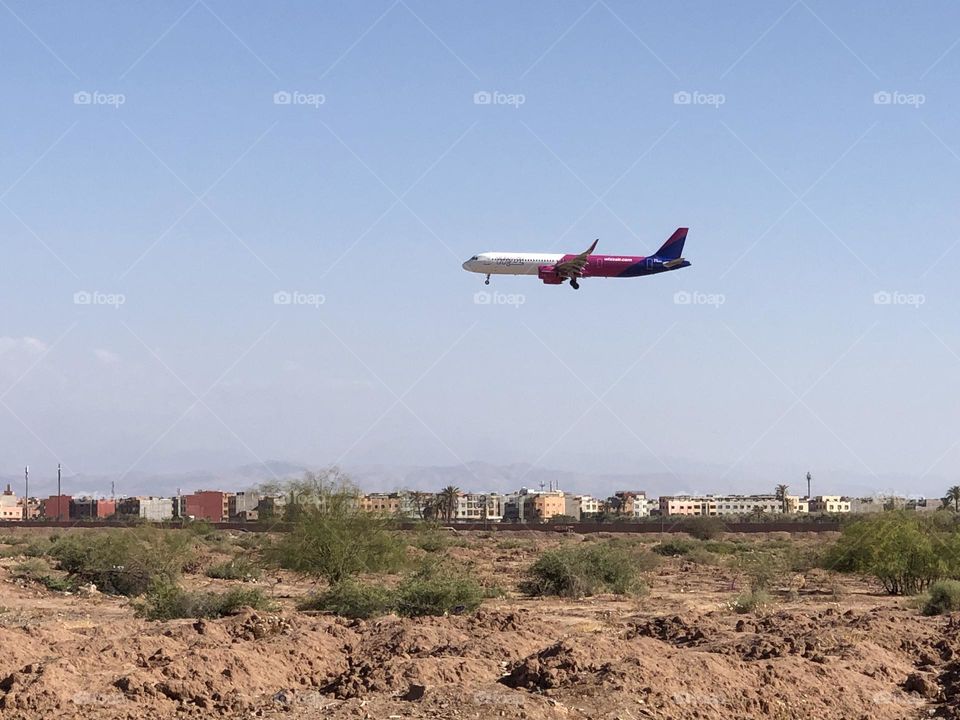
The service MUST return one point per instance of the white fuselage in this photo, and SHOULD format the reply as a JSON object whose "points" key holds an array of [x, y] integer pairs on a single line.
{"points": [[501, 263]]}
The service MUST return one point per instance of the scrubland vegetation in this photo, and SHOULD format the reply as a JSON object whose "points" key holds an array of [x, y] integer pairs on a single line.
{"points": [[362, 566]]}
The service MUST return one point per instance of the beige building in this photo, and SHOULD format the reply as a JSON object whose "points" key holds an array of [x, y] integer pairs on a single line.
{"points": [[829, 504], [10, 508], [714, 505], [382, 503], [547, 504]]}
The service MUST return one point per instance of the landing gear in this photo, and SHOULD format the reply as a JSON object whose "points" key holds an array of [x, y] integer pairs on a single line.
{"points": [[574, 284], [487, 281]]}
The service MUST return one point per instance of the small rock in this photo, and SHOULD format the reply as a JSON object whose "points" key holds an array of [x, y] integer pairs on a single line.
{"points": [[414, 692]]}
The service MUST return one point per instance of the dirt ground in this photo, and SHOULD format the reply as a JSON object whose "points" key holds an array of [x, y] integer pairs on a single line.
{"points": [[827, 647]]}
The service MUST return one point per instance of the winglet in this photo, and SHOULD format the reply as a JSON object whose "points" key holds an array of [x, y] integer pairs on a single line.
{"points": [[592, 247]]}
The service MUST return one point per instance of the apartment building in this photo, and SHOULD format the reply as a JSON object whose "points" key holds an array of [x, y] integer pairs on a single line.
{"points": [[57, 507], [212, 505], [382, 503], [243, 506], [545, 505], [680, 505], [271, 507], [714, 505], [480, 506], [153, 509], [88, 508], [589, 505], [829, 504], [10, 508]]}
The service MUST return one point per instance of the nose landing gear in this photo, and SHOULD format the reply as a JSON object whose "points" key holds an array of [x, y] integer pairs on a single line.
{"points": [[487, 281]]}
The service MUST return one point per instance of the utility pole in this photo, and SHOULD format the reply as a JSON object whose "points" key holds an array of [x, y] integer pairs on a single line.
{"points": [[26, 492], [59, 496], [809, 478]]}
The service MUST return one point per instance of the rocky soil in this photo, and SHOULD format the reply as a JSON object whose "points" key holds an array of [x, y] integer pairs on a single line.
{"points": [[828, 650]]}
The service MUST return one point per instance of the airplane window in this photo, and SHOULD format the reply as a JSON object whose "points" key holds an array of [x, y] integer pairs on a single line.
{"points": [[475, 257]]}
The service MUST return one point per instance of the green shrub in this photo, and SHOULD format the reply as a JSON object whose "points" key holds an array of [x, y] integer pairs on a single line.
{"points": [[944, 597], [762, 569], [906, 553], [701, 556], [123, 562], [803, 559], [168, 601], [436, 590], [352, 599], [587, 570], [236, 569], [38, 571], [432, 540], [722, 547], [753, 601], [335, 540], [38, 547], [703, 528], [250, 541], [512, 544], [674, 547]]}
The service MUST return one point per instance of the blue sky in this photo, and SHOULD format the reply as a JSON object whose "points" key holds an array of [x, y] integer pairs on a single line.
{"points": [[147, 167]]}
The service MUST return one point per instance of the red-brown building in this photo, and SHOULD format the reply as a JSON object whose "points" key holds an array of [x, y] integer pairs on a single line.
{"points": [[57, 507], [211, 505], [92, 508]]}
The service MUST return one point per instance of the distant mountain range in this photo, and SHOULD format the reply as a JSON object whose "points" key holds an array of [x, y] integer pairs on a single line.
{"points": [[478, 476]]}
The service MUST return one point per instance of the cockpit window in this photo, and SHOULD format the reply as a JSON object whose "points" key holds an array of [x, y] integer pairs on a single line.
{"points": [[475, 257]]}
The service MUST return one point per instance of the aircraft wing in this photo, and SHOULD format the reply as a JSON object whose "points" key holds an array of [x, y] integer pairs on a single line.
{"points": [[574, 266]]}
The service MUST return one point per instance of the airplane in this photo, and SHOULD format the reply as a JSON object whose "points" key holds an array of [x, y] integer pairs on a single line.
{"points": [[556, 268]]}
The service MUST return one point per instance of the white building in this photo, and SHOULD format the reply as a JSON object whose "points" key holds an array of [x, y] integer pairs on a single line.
{"points": [[641, 506], [714, 505], [589, 505], [829, 504], [479, 506], [154, 509]]}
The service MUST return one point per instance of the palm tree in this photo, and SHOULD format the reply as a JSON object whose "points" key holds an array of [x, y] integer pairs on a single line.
{"points": [[757, 512], [953, 495], [448, 501], [781, 493], [615, 504], [421, 502]]}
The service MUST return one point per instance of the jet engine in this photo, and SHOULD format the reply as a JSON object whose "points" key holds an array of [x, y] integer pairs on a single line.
{"points": [[549, 275]]}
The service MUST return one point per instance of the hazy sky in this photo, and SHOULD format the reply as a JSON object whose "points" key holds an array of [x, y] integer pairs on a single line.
{"points": [[156, 193]]}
